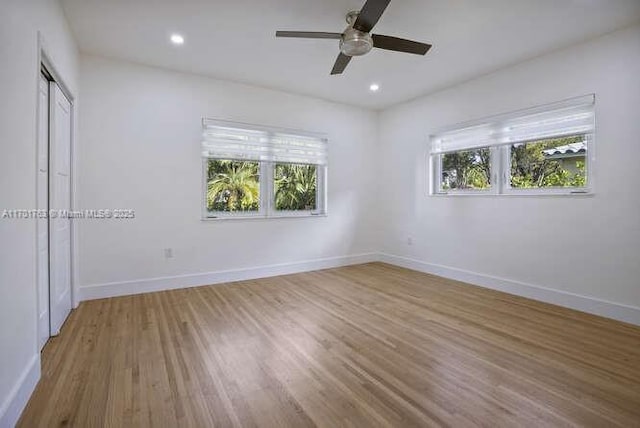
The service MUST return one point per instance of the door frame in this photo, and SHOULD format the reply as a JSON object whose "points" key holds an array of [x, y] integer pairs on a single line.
{"points": [[46, 61]]}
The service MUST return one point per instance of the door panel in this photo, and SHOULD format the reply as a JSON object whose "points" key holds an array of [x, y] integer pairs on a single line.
{"points": [[42, 224], [59, 201]]}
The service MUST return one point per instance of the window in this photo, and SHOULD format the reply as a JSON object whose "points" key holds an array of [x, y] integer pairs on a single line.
{"points": [[296, 187], [253, 171], [466, 170], [550, 163], [233, 186], [546, 150]]}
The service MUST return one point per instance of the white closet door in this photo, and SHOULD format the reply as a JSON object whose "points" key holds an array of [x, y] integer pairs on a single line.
{"points": [[42, 224], [59, 200]]}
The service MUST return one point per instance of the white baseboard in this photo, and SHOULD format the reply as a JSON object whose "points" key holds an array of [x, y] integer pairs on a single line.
{"points": [[15, 403], [617, 311], [113, 289]]}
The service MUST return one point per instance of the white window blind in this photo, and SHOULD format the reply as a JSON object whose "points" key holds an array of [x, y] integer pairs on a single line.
{"points": [[572, 117], [229, 140]]}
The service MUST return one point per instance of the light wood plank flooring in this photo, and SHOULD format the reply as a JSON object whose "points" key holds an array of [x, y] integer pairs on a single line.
{"points": [[361, 346]]}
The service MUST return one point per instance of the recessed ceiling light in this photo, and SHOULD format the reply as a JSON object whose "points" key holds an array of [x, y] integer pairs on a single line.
{"points": [[374, 87], [177, 39]]}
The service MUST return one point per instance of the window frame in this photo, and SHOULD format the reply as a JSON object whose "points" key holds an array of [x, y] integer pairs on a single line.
{"points": [[501, 160], [266, 209]]}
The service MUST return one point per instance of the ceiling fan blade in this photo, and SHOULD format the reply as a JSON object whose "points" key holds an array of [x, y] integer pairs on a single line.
{"points": [[341, 63], [370, 14], [309, 34], [400, 45]]}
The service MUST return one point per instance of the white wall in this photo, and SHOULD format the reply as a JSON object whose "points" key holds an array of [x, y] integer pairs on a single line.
{"points": [[140, 129], [589, 246], [20, 22]]}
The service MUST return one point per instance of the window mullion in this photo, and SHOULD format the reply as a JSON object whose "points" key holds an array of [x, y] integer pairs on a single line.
{"points": [[267, 181], [271, 190], [205, 187], [589, 161], [321, 192], [505, 176], [436, 173], [264, 188], [496, 170]]}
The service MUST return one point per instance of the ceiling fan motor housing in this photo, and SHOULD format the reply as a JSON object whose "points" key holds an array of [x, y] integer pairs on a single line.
{"points": [[355, 42]]}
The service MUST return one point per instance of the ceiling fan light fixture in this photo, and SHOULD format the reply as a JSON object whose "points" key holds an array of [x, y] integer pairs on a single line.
{"points": [[355, 43]]}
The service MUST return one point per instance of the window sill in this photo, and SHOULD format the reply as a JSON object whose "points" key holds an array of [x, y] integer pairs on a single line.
{"points": [[525, 193], [261, 217]]}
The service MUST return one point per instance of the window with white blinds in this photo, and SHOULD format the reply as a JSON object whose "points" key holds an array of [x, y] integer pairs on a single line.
{"points": [[257, 171], [546, 149], [226, 140]]}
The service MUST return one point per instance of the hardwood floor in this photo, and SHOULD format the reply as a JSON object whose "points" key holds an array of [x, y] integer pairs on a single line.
{"points": [[368, 345]]}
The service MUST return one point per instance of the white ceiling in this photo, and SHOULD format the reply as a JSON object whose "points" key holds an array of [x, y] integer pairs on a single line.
{"points": [[234, 39]]}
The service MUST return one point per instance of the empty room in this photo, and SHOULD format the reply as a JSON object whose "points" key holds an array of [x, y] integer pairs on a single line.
{"points": [[339, 213]]}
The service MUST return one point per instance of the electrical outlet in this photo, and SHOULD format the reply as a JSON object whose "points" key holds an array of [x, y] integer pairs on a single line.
{"points": [[409, 240], [168, 253]]}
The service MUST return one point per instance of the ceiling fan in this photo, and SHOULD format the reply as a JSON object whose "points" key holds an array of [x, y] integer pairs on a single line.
{"points": [[356, 39]]}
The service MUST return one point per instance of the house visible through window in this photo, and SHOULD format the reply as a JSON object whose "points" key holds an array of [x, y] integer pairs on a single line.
{"points": [[253, 171], [556, 162], [542, 150]]}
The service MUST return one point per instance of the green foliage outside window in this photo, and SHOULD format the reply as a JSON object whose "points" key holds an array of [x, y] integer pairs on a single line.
{"points": [[295, 186], [530, 168], [467, 169], [233, 186]]}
